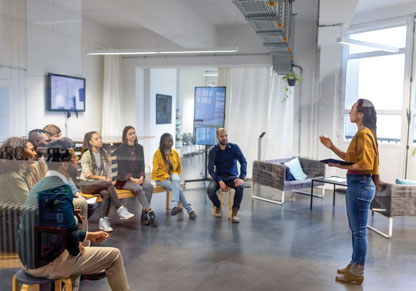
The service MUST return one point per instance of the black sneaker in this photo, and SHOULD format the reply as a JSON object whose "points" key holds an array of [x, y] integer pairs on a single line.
{"points": [[152, 218], [145, 219], [192, 215], [176, 210]]}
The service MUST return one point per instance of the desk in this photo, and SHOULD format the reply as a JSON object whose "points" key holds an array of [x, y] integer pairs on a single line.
{"points": [[330, 180]]}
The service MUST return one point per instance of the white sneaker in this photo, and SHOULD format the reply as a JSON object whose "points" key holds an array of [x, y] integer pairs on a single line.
{"points": [[123, 213], [104, 224]]}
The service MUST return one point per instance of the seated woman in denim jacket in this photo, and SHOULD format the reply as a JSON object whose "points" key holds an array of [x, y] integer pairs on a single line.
{"points": [[95, 178], [166, 170]]}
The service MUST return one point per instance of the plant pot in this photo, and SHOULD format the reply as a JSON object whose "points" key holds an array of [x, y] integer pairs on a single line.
{"points": [[291, 82]]}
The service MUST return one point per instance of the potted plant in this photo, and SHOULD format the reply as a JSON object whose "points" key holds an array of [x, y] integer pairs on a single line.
{"points": [[292, 78]]}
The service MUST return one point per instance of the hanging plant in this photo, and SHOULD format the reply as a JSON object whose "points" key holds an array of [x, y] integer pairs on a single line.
{"points": [[291, 79]]}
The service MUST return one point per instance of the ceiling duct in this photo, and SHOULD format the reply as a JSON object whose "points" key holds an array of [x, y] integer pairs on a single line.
{"points": [[273, 22]]}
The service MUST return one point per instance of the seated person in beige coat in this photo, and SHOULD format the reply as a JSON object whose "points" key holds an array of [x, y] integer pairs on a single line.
{"points": [[73, 259]]}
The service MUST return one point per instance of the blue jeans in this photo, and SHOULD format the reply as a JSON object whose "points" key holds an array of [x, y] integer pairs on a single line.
{"points": [[360, 193], [177, 194]]}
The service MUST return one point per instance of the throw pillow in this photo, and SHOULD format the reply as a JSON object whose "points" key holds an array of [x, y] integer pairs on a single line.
{"points": [[405, 182], [288, 175], [296, 169]]}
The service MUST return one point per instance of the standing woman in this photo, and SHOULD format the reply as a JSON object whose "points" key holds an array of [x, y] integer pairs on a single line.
{"points": [[95, 178], [363, 153], [131, 175], [166, 170]]}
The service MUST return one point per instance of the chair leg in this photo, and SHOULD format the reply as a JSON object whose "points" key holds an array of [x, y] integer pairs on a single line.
{"points": [[230, 195], [15, 284], [254, 196], [68, 284], [168, 198], [389, 234]]}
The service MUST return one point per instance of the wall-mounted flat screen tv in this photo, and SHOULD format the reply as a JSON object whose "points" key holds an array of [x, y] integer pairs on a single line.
{"points": [[65, 93]]}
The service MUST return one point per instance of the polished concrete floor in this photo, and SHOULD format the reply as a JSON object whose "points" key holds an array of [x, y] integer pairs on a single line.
{"points": [[274, 247]]}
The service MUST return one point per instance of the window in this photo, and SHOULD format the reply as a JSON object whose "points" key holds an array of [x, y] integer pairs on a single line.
{"points": [[378, 76]]}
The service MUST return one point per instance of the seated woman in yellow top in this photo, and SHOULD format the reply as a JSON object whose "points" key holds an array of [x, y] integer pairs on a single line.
{"points": [[166, 170], [363, 153]]}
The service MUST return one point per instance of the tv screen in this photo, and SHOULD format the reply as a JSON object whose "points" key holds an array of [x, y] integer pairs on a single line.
{"points": [[65, 93], [205, 135], [209, 113]]}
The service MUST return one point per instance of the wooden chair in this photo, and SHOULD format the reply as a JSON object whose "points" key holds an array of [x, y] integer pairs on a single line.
{"points": [[27, 280], [230, 196], [123, 193]]}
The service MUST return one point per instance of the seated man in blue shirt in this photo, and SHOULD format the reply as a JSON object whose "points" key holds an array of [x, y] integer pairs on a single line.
{"points": [[74, 259], [222, 166]]}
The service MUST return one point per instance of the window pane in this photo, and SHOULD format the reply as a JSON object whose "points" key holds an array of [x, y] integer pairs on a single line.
{"points": [[395, 36], [379, 79], [388, 128]]}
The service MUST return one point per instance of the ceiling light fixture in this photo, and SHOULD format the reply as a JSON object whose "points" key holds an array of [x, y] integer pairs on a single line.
{"points": [[210, 74], [163, 52], [349, 41]]}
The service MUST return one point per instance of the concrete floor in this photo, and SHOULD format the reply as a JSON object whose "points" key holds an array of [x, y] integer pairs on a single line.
{"points": [[274, 247]]}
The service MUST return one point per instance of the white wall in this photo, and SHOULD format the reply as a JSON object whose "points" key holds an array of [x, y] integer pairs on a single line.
{"points": [[54, 31], [160, 81], [91, 69], [305, 95], [188, 80]]}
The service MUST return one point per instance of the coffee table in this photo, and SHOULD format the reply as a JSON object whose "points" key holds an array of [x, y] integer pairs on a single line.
{"points": [[329, 180]]}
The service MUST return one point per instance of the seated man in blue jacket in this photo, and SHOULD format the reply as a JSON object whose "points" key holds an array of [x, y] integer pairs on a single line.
{"points": [[222, 166], [73, 259]]}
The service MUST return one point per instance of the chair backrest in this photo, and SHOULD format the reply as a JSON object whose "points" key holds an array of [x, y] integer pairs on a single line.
{"points": [[395, 200], [49, 242], [312, 168]]}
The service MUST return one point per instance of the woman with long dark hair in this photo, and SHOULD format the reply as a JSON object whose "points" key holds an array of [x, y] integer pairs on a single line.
{"points": [[131, 174], [95, 178], [363, 153], [166, 170]]}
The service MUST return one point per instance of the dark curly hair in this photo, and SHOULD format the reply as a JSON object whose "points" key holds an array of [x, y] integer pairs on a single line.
{"points": [[86, 146], [58, 151]]}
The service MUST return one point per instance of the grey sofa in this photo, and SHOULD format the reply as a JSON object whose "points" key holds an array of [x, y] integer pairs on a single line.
{"points": [[394, 200], [272, 173]]}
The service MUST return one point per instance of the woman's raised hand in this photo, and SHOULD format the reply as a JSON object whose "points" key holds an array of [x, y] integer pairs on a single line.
{"points": [[326, 141]]}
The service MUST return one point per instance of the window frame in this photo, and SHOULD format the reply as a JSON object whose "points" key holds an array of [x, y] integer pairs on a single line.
{"points": [[407, 92]]}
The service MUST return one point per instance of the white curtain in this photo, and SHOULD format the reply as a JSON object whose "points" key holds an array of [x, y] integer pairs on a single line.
{"points": [[113, 97], [255, 106]]}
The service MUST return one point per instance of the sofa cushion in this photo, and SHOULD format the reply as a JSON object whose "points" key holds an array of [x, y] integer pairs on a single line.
{"points": [[288, 175], [296, 169], [405, 182]]}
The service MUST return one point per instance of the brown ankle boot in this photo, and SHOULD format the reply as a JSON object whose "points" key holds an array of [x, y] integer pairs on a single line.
{"points": [[344, 270], [350, 278], [234, 216]]}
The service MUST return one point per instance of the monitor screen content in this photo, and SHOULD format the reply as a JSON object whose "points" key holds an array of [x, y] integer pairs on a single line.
{"points": [[66, 93], [209, 106], [209, 112], [205, 135]]}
